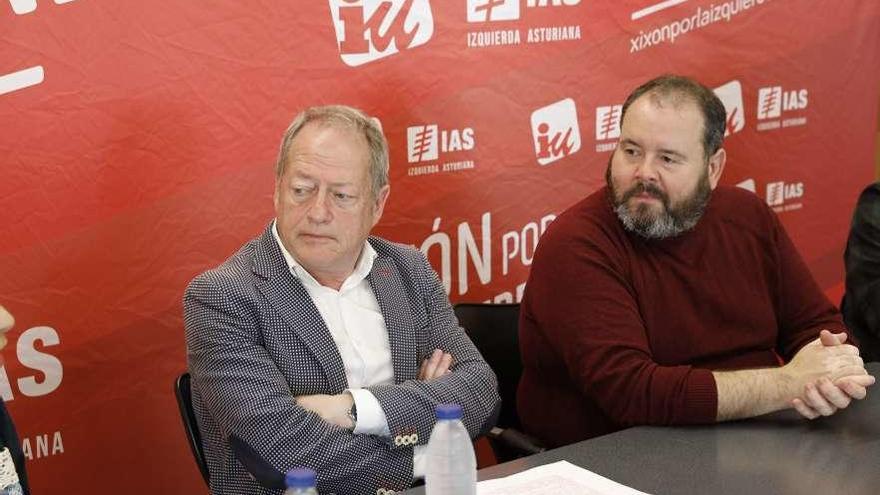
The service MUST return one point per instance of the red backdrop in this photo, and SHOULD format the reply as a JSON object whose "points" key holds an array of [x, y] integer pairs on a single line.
{"points": [[138, 139]]}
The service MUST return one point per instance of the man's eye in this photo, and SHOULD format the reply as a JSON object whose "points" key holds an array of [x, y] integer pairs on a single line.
{"points": [[343, 196], [301, 192], [630, 151]]}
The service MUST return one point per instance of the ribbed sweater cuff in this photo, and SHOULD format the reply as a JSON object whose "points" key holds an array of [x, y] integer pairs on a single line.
{"points": [[702, 397]]}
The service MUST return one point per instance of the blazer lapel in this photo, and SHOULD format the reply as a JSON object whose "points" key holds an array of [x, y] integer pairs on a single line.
{"points": [[290, 299], [390, 293]]}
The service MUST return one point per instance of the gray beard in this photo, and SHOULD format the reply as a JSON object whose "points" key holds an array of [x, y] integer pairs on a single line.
{"points": [[665, 226], [671, 221]]}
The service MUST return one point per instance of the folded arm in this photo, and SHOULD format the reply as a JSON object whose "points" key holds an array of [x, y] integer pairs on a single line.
{"points": [[250, 400], [409, 405]]}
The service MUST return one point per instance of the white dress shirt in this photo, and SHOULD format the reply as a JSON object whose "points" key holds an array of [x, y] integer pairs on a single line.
{"points": [[355, 322]]}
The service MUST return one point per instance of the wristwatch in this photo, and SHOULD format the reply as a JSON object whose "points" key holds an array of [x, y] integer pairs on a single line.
{"points": [[353, 414]]}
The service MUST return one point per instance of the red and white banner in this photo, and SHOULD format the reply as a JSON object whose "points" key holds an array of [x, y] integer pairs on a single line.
{"points": [[138, 139]]}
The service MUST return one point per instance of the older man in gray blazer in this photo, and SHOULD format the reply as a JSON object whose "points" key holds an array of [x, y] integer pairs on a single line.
{"points": [[319, 345]]}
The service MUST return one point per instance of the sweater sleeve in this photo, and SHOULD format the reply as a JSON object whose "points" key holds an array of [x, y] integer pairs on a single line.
{"points": [[580, 300], [803, 309]]}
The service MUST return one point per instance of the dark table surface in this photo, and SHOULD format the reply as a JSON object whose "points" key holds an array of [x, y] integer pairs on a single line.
{"points": [[780, 453]]}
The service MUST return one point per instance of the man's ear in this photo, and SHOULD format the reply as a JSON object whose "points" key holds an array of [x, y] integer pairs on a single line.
{"points": [[716, 167], [379, 205]]}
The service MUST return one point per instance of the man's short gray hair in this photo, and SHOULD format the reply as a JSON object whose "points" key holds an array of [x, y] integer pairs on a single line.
{"points": [[342, 116], [676, 87]]}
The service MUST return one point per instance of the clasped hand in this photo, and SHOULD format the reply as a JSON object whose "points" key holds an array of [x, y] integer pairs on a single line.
{"points": [[828, 375]]}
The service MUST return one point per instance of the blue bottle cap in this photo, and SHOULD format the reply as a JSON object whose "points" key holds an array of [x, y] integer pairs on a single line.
{"points": [[300, 478], [448, 411]]}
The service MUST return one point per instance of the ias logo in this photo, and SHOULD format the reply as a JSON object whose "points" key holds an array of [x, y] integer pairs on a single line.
{"points": [[769, 102], [608, 122], [772, 101], [731, 95], [555, 131], [778, 193], [492, 10], [508, 10], [368, 30], [424, 143]]}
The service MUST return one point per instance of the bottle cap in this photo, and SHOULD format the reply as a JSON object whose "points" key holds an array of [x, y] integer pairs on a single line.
{"points": [[448, 411], [300, 478]]}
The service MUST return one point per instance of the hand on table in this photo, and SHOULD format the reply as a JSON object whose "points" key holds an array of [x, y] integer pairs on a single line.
{"points": [[845, 377]]}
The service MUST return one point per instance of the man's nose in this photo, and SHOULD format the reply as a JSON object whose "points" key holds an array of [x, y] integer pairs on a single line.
{"points": [[646, 169], [319, 210]]}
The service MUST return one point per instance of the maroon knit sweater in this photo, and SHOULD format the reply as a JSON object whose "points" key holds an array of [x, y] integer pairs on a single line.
{"points": [[617, 331]]}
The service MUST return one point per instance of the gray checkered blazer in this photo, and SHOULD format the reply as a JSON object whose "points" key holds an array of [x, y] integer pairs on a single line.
{"points": [[255, 341]]}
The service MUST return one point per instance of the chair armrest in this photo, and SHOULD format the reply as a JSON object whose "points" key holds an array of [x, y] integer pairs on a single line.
{"points": [[515, 440]]}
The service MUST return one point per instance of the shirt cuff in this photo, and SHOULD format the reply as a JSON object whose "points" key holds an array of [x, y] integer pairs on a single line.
{"points": [[370, 416], [420, 455]]}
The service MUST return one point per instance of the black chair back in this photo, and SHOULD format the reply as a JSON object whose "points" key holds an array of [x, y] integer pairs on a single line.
{"points": [[493, 328], [184, 403]]}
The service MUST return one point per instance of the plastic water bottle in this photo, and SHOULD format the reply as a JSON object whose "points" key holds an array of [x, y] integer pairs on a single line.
{"points": [[300, 481], [451, 466], [12, 489], [9, 483]]}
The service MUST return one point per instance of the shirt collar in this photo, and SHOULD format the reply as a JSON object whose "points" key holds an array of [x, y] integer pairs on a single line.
{"points": [[361, 269]]}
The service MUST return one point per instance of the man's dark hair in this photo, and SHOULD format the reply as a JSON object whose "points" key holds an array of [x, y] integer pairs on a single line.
{"points": [[677, 87]]}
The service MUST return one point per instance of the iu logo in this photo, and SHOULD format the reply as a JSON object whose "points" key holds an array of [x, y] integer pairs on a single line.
{"points": [[492, 10], [748, 185], [731, 96], [555, 131], [608, 122], [368, 30]]}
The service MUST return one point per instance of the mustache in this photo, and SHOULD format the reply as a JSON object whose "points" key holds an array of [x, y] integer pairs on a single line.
{"points": [[645, 188]]}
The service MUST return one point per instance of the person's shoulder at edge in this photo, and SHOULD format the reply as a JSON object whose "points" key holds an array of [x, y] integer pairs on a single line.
{"points": [[233, 270], [869, 196]]}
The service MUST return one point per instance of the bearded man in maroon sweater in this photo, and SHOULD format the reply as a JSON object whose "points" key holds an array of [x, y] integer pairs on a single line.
{"points": [[666, 299]]}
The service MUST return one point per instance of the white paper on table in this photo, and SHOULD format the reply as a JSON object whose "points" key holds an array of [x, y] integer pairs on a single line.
{"points": [[556, 478]]}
